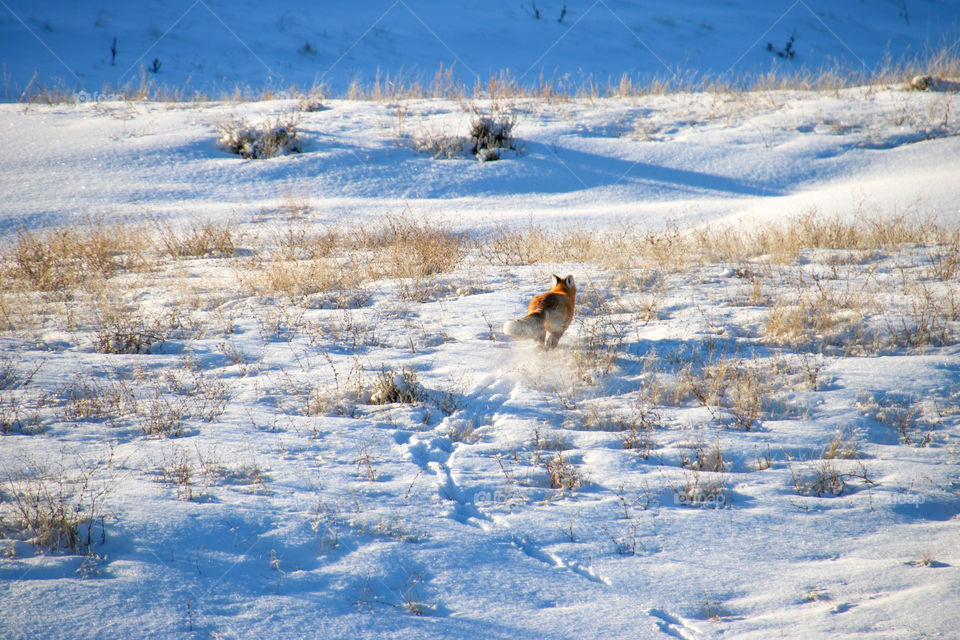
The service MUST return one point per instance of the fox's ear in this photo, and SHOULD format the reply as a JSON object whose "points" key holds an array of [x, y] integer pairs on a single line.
{"points": [[569, 280], [556, 279]]}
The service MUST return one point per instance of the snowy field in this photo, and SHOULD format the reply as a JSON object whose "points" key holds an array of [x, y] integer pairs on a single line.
{"points": [[215, 46], [271, 398]]}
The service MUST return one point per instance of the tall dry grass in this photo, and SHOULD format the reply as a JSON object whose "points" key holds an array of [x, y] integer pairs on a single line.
{"points": [[941, 61], [71, 257], [675, 249], [344, 256]]}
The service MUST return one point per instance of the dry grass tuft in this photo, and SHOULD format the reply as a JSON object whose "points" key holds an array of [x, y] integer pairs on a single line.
{"points": [[702, 490], [406, 247], [120, 331], [57, 506], [827, 475], [816, 316], [63, 259], [739, 387], [842, 447], [702, 458], [340, 258], [87, 399], [563, 474], [206, 240]]}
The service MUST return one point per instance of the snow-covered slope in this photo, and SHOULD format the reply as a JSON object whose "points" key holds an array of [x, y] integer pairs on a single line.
{"points": [[650, 161], [287, 506], [213, 45]]}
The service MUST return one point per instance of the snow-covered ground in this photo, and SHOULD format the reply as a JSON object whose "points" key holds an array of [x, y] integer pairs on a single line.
{"points": [[214, 46], [323, 431]]}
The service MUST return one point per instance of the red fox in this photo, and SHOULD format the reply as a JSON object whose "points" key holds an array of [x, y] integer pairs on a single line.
{"points": [[549, 314]]}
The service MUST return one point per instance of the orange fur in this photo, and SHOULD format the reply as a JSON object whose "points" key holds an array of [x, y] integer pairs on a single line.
{"points": [[549, 314]]}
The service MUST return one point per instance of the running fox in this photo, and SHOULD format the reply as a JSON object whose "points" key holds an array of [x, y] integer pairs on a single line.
{"points": [[549, 314]]}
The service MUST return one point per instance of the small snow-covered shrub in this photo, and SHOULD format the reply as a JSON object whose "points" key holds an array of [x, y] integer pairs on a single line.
{"points": [[162, 416], [702, 458], [827, 475], [822, 478], [702, 490], [913, 424], [340, 398], [563, 474], [490, 135], [164, 405], [627, 541], [179, 471], [20, 415], [741, 388], [551, 442], [440, 145], [193, 474], [311, 102], [56, 506], [353, 331], [396, 386], [462, 431], [638, 440], [266, 139], [90, 400], [126, 333]]}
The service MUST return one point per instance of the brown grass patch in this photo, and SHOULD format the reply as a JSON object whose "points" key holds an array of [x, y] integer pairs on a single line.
{"points": [[71, 257]]}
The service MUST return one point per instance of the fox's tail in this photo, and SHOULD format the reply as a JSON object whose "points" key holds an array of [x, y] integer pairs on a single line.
{"points": [[530, 326]]}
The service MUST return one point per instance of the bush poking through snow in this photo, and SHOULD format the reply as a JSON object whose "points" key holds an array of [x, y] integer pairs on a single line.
{"points": [[826, 476], [490, 135], [823, 478], [396, 386], [127, 333], [913, 425], [266, 139], [703, 459], [702, 490], [564, 474], [56, 506], [311, 102], [440, 145]]}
